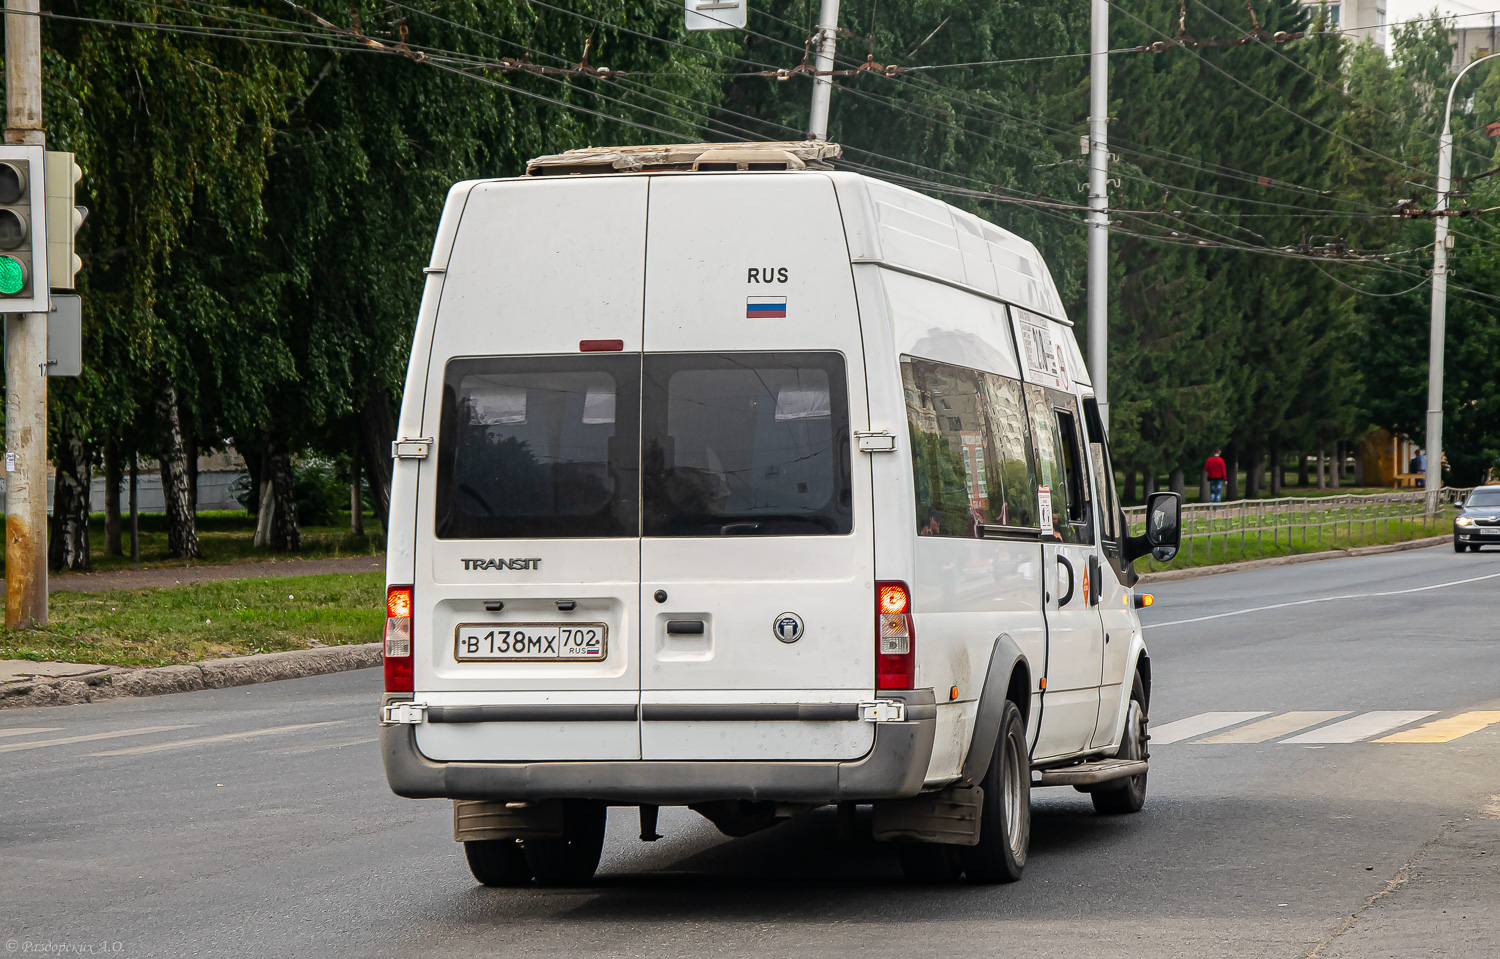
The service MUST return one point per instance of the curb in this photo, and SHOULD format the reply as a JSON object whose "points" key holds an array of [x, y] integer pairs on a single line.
{"points": [[117, 683], [1172, 575]]}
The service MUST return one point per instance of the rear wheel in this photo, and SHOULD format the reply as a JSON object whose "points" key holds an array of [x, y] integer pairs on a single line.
{"points": [[497, 862], [1129, 795], [572, 858], [1005, 813]]}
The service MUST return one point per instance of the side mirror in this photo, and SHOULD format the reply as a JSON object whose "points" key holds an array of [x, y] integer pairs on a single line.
{"points": [[1163, 529]]}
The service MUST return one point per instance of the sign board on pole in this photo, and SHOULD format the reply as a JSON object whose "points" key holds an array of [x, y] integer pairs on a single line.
{"points": [[715, 14], [65, 336]]}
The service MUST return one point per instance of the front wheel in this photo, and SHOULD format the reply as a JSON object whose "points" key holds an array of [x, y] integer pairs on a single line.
{"points": [[1457, 546], [1130, 794], [1005, 812]]}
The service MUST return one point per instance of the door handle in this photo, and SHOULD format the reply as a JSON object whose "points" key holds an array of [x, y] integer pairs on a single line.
{"points": [[1068, 596], [685, 627]]}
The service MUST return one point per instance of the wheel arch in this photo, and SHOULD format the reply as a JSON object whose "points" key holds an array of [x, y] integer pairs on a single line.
{"points": [[1008, 679]]}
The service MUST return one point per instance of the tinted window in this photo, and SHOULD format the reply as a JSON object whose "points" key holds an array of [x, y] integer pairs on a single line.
{"points": [[745, 444], [1484, 497], [968, 446], [1104, 474], [1059, 458], [543, 446]]}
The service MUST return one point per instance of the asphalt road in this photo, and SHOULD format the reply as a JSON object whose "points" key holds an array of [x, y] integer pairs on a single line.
{"points": [[262, 825]]}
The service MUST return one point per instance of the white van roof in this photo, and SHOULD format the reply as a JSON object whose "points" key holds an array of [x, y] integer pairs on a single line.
{"points": [[886, 224]]}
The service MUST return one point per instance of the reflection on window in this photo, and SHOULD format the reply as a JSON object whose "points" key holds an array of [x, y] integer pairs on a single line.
{"points": [[969, 463]]}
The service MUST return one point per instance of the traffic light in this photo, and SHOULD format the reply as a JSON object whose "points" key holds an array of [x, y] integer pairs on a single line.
{"points": [[23, 232], [63, 220]]}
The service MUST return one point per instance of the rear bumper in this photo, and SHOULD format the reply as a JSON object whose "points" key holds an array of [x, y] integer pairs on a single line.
{"points": [[894, 767]]}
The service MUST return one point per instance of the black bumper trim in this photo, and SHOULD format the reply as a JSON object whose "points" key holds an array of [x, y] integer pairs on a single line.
{"points": [[895, 767]]}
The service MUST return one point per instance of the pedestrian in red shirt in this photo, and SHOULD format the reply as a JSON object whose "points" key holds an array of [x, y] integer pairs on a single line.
{"points": [[1214, 468]]}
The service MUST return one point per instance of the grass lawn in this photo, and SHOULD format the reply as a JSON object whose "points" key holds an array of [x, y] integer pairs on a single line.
{"points": [[227, 536], [228, 617], [1230, 547]]}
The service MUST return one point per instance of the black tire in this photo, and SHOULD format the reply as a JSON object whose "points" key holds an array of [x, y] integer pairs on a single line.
{"points": [[497, 862], [1005, 813], [572, 858], [929, 862], [1129, 795], [1457, 546]]}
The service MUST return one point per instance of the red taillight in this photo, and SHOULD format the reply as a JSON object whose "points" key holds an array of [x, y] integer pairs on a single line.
{"points": [[895, 640], [398, 674], [600, 346]]}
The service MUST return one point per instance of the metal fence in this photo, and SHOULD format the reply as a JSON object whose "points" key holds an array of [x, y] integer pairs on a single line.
{"points": [[1248, 528]]}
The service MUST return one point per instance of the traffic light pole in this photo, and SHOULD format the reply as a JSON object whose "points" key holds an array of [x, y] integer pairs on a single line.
{"points": [[25, 355]]}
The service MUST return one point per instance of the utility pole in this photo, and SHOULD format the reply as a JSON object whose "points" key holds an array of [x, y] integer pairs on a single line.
{"points": [[1434, 478], [1098, 270], [25, 353], [828, 26]]}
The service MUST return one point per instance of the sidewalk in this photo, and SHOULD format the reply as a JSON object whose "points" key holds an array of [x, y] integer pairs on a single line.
{"points": [[188, 575]]}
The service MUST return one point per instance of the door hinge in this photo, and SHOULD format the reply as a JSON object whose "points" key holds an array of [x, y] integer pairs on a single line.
{"points": [[411, 449], [876, 441], [403, 714], [883, 711]]}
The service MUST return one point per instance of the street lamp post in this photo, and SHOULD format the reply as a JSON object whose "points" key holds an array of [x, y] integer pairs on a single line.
{"points": [[1434, 478]]}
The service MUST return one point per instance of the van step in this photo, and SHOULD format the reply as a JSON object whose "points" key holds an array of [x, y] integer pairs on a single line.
{"points": [[1088, 774]]}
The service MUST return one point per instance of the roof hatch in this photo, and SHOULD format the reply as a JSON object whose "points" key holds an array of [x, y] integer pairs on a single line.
{"points": [[690, 157]]}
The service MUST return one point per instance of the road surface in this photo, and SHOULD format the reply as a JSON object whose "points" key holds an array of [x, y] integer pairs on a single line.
{"points": [[256, 821]]}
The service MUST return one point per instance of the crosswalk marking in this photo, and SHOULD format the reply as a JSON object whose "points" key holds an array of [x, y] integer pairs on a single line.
{"points": [[1445, 730], [28, 730], [204, 740], [1273, 727], [1362, 726], [38, 744], [1198, 725]]}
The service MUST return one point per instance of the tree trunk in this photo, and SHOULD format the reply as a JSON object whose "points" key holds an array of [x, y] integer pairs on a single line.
{"points": [[190, 449], [1277, 474], [377, 431], [112, 479], [1256, 476], [1322, 481], [1302, 470], [1359, 466], [1178, 481], [69, 544], [1232, 486], [1203, 486], [265, 498], [182, 527], [135, 515], [1150, 484], [253, 472], [286, 536], [1130, 485], [1338, 463], [356, 500]]}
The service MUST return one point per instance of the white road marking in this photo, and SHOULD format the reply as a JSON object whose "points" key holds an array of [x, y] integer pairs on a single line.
{"points": [[1274, 727], [38, 744], [1197, 725], [27, 731], [315, 747], [1363, 726], [222, 738], [1321, 599]]}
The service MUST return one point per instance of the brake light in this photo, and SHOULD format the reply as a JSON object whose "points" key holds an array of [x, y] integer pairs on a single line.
{"points": [[895, 640], [600, 346], [398, 660]]}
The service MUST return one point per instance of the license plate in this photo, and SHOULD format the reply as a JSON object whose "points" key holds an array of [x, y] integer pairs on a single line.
{"points": [[1489, 532], [530, 642]]}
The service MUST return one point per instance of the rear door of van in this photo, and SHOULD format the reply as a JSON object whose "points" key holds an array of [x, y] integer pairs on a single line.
{"points": [[757, 554], [528, 552]]}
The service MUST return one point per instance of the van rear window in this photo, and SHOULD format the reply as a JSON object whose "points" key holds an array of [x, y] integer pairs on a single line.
{"points": [[539, 447], [745, 444]]}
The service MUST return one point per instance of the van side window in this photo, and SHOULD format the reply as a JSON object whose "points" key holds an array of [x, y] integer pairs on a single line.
{"points": [[1059, 455], [745, 444], [538, 447], [968, 449], [1104, 474]]}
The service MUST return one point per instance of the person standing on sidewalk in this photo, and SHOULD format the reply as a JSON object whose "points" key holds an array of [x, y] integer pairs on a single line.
{"points": [[1214, 468]]}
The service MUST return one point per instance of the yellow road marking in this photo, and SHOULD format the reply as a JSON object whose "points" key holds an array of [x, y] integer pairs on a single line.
{"points": [[1274, 727], [1445, 730]]}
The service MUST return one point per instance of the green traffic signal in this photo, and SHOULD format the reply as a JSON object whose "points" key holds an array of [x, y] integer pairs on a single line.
{"points": [[12, 276]]}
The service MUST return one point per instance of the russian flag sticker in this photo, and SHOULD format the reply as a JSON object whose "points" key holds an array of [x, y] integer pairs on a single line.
{"points": [[765, 307]]}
